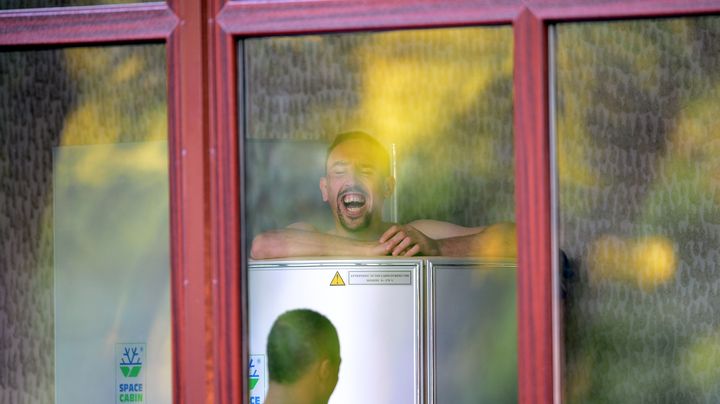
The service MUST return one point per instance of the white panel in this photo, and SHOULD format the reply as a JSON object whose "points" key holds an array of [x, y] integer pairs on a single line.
{"points": [[379, 326]]}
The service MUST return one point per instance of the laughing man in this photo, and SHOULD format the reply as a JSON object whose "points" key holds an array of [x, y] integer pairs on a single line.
{"points": [[357, 181]]}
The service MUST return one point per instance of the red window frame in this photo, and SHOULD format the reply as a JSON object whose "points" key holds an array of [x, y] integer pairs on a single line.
{"points": [[206, 182]]}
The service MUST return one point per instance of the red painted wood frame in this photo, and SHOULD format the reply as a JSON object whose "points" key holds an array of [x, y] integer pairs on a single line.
{"points": [[180, 25], [206, 180], [538, 345]]}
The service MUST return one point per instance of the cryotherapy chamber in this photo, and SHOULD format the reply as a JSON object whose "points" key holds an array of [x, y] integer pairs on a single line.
{"points": [[423, 330], [376, 306]]}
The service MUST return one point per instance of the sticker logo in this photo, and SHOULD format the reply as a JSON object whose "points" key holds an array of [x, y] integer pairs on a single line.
{"points": [[257, 380], [131, 362], [337, 280], [130, 379]]}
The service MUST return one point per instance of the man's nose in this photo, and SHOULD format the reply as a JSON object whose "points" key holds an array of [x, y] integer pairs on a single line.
{"points": [[353, 175]]}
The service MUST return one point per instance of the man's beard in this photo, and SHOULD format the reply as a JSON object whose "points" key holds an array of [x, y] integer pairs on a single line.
{"points": [[353, 225]]}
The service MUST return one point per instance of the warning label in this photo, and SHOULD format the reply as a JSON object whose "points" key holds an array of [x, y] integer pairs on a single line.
{"points": [[380, 278], [337, 280]]}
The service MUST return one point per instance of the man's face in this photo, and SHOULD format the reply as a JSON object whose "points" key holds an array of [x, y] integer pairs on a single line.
{"points": [[356, 184]]}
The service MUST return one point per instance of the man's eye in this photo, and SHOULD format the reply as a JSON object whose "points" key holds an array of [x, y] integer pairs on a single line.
{"points": [[339, 172]]}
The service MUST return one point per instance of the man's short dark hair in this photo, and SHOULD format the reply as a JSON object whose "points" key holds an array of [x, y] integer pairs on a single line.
{"points": [[297, 339], [359, 135]]}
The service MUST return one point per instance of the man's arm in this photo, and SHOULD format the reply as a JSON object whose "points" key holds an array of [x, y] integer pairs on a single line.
{"points": [[303, 240], [432, 237]]}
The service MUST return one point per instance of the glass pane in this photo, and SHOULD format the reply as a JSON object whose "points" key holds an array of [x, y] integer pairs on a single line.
{"points": [[472, 331], [84, 285], [15, 4], [637, 147], [346, 135], [439, 102]]}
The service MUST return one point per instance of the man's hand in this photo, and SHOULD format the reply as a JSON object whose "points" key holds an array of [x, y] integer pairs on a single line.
{"points": [[408, 241]]}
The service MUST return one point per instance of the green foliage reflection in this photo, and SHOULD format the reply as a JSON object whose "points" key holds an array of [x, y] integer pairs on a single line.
{"points": [[638, 119]]}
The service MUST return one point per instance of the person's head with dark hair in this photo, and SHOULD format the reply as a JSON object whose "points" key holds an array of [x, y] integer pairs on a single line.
{"points": [[303, 358], [378, 150], [357, 181]]}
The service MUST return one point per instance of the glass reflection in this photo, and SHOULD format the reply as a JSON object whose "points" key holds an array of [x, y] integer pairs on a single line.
{"points": [[637, 118], [396, 127], [84, 222]]}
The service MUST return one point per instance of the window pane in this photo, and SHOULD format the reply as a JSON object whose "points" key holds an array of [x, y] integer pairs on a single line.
{"points": [[637, 146], [442, 99], [419, 127], [84, 285], [15, 4]]}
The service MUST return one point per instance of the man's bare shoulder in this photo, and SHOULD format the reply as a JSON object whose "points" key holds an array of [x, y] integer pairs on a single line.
{"points": [[437, 229], [303, 226]]}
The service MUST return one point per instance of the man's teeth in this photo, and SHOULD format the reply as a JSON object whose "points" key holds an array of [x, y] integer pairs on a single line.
{"points": [[353, 198], [353, 202]]}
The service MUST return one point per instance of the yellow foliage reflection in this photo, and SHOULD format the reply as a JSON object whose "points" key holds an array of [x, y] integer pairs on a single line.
{"points": [[647, 262], [499, 241], [127, 70], [696, 145], [409, 96], [146, 158], [121, 99]]}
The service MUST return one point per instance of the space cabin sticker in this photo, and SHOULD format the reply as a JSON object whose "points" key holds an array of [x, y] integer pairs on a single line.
{"points": [[130, 373], [258, 380]]}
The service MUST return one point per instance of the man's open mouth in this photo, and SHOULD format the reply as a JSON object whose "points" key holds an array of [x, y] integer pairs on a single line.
{"points": [[353, 203]]}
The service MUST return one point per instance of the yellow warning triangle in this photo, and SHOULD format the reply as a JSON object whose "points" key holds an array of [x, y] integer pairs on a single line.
{"points": [[337, 280]]}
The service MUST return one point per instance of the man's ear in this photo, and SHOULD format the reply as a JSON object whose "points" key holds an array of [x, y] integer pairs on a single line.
{"points": [[389, 186], [326, 369], [323, 189]]}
